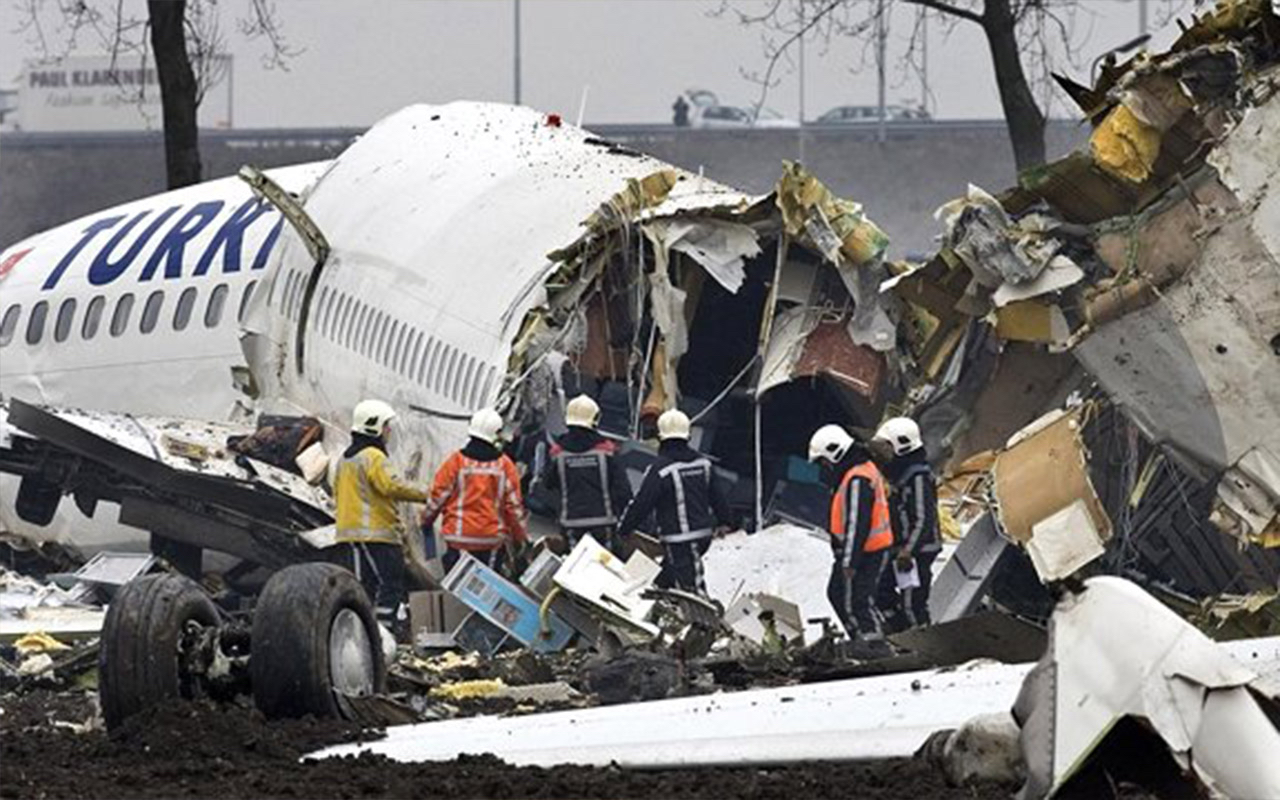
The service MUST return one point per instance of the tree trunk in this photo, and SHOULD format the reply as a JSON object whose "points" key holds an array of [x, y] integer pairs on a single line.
{"points": [[1021, 114], [178, 91]]}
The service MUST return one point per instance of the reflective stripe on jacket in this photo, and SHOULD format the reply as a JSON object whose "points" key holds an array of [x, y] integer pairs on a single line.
{"points": [[367, 488], [879, 530], [479, 502], [914, 503], [682, 491], [583, 479]]}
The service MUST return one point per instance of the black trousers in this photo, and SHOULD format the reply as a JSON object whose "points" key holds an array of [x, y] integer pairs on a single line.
{"points": [[604, 536], [379, 566], [682, 566], [490, 558], [854, 598], [910, 607]]}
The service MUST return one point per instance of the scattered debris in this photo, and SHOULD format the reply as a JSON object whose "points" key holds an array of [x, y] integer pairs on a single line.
{"points": [[1115, 652]]}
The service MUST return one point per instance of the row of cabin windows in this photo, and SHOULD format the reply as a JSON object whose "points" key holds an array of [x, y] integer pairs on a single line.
{"points": [[152, 309], [395, 345]]}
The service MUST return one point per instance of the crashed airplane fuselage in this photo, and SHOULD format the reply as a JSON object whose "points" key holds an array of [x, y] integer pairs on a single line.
{"points": [[468, 255]]}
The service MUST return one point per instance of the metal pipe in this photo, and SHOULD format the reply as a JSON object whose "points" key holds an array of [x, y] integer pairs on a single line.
{"points": [[759, 470], [516, 7], [881, 35]]}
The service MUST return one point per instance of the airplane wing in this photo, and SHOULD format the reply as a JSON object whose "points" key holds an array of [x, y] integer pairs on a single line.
{"points": [[177, 478]]}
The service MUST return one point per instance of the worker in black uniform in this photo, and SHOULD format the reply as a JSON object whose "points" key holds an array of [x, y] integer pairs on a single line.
{"points": [[913, 508], [861, 536], [690, 505], [591, 483]]}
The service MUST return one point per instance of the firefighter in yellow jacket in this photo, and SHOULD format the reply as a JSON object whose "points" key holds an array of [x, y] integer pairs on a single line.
{"points": [[861, 535], [370, 534]]}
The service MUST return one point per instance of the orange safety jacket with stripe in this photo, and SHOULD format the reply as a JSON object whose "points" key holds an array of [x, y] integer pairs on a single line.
{"points": [[478, 501], [845, 510]]}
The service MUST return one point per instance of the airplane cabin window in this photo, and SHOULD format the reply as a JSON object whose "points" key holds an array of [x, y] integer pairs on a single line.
{"points": [[464, 379], [357, 327], [488, 386], [422, 363], [379, 336], [182, 312], [349, 322], [92, 317], [35, 323], [469, 384], [446, 384], [299, 285], [9, 324], [368, 323], [340, 318], [389, 350], [213, 311], [151, 312], [411, 354], [322, 311], [120, 317], [397, 354], [245, 297], [286, 292], [66, 315], [299, 291]]}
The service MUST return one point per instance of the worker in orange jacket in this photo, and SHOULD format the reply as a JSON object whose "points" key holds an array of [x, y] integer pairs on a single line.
{"points": [[861, 536], [476, 493]]}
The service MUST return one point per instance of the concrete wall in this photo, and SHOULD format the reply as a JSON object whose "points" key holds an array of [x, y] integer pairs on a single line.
{"points": [[46, 179]]}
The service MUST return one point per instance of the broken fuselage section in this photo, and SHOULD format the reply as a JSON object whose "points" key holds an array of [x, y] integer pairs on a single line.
{"points": [[483, 255]]}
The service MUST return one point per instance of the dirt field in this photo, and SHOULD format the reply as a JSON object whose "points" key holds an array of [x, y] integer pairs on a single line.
{"points": [[188, 750]]}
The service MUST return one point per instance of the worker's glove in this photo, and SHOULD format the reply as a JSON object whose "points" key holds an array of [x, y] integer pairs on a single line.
{"points": [[903, 560]]}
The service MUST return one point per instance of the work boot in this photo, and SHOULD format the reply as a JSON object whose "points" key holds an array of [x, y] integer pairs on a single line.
{"points": [[869, 649]]}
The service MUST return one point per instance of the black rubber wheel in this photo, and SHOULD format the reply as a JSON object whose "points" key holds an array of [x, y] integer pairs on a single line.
{"points": [[138, 664], [314, 634]]}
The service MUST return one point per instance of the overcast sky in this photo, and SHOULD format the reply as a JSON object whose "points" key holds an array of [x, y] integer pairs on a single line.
{"points": [[361, 59]]}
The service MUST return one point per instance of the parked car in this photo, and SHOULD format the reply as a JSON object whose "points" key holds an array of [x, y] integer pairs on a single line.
{"points": [[719, 116], [865, 115]]}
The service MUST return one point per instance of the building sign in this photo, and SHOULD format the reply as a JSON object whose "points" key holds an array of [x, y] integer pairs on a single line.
{"points": [[98, 93]]}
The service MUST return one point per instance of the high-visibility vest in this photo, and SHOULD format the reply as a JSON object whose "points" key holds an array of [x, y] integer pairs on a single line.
{"points": [[479, 502], [367, 489], [880, 536]]}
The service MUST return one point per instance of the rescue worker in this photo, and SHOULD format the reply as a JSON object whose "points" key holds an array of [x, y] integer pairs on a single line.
{"points": [[681, 490], [477, 493], [369, 530], [861, 536], [592, 485], [913, 506]]}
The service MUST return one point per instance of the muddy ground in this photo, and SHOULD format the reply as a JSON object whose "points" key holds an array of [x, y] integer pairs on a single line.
{"points": [[190, 750]]}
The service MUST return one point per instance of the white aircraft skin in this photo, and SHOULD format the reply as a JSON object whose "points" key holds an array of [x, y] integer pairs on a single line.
{"points": [[439, 233], [190, 248]]}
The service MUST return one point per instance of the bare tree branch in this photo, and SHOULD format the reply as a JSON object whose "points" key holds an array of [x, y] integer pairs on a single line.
{"points": [[262, 23], [947, 8]]}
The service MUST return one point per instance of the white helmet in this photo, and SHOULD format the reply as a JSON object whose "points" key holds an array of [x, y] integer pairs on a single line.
{"points": [[371, 416], [900, 433], [582, 411], [673, 424], [830, 442], [486, 424]]}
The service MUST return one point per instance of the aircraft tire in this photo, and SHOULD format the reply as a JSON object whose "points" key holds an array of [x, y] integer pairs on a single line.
{"points": [[138, 663], [315, 638]]}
